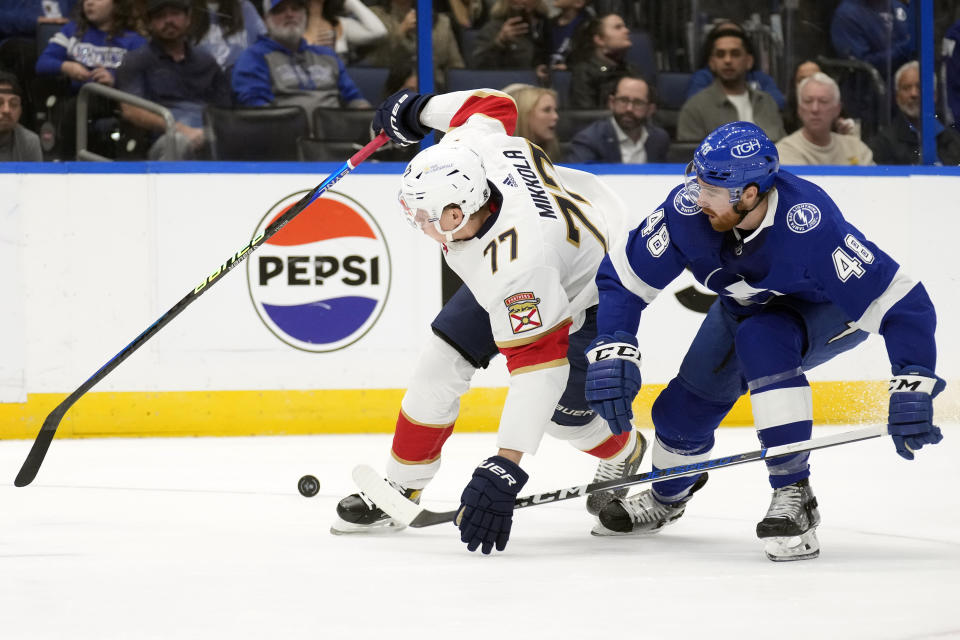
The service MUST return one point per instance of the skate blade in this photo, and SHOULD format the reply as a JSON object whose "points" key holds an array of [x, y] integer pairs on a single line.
{"points": [[341, 527], [601, 531], [790, 548]]}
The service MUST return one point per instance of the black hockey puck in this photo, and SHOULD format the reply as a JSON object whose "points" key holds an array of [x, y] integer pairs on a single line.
{"points": [[308, 486]]}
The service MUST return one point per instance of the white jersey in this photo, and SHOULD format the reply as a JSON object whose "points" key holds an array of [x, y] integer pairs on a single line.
{"points": [[532, 264]]}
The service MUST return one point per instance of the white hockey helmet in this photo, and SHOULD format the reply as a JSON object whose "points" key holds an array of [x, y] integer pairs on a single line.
{"points": [[440, 176]]}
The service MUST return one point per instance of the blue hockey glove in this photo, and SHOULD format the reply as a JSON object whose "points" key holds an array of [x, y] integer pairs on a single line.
{"points": [[399, 117], [486, 506], [613, 378], [912, 390]]}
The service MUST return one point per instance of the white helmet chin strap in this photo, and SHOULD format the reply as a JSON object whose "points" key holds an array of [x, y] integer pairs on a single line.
{"points": [[448, 235]]}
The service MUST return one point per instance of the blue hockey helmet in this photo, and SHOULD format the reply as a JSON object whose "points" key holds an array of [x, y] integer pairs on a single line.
{"points": [[734, 156]]}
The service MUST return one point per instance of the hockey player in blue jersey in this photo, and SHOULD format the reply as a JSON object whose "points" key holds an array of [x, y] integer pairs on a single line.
{"points": [[797, 285]]}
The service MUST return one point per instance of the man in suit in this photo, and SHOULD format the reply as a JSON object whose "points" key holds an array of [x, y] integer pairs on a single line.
{"points": [[627, 136]]}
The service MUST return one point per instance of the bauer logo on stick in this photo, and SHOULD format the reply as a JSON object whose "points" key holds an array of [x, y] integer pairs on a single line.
{"points": [[320, 284]]}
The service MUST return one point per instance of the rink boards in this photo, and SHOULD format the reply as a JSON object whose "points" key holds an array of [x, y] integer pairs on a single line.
{"points": [[317, 331]]}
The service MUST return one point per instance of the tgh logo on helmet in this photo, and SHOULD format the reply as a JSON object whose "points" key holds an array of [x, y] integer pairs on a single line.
{"points": [[746, 149]]}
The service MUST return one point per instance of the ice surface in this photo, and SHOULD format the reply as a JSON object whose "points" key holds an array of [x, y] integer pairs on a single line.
{"points": [[208, 538]]}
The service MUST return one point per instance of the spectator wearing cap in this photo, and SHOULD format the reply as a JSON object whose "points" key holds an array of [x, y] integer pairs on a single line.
{"points": [[17, 143], [281, 69], [730, 98], [172, 73], [18, 39], [627, 135], [815, 143]]}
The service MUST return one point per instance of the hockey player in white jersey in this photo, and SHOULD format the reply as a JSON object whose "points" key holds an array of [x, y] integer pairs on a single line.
{"points": [[526, 237], [797, 285]]}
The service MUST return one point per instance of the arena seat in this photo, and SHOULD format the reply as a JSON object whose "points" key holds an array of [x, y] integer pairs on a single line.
{"points": [[467, 79], [256, 133]]}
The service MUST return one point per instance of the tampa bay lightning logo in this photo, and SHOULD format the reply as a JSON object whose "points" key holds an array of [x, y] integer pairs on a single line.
{"points": [[803, 217], [686, 200]]}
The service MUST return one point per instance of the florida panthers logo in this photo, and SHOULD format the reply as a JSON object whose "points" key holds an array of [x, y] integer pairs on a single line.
{"points": [[523, 311]]}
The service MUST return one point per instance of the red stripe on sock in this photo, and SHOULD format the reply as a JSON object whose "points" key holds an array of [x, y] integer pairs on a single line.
{"points": [[611, 446], [416, 443]]}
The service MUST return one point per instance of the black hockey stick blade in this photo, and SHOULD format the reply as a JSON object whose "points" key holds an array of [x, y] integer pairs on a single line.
{"points": [[28, 472], [413, 515]]}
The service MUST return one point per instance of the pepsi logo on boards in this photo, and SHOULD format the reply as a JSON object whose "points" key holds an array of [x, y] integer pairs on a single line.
{"points": [[320, 283]]}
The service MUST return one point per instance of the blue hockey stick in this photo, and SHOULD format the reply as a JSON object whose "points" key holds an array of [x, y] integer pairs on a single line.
{"points": [[39, 450], [410, 513]]}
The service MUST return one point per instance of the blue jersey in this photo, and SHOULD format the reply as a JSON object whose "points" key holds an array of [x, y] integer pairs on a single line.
{"points": [[804, 249], [92, 49]]}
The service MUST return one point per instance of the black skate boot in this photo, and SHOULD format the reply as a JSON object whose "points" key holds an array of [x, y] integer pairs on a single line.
{"points": [[789, 530], [357, 514], [616, 470], [642, 514]]}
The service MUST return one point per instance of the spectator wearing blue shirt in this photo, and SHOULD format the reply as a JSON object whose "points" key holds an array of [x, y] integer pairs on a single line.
{"points": [[282, 69], [875, 31], [880, 33], [19, 17], [172, 73], [561, 29], [89, 48], [225, 28]]}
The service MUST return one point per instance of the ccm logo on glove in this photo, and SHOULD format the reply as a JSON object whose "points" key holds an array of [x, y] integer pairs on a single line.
{"points": [[621, 350], [922, 384], [496, 469]]}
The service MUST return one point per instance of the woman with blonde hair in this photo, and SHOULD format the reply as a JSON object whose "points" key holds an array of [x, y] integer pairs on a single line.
{"points": [[537, 116]]}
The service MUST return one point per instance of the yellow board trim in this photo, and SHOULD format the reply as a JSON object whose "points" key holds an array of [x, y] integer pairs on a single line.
{"points": [[246, 413]]}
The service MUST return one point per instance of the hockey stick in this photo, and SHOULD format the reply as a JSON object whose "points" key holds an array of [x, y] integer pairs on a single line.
{"points": [[412, 514], [39, 450]]}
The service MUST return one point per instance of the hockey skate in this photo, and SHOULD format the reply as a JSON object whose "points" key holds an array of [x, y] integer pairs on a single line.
{"points": [[789, 530], [614, 471], [642, 514], [358, 514]]}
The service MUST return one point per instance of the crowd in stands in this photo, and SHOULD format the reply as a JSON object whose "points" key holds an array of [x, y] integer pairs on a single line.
{"points": [[588, 81]]}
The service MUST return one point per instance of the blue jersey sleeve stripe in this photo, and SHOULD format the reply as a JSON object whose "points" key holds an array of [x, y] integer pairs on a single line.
{"points": [[628, 277], [899, 287]]}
